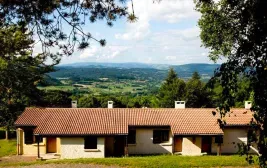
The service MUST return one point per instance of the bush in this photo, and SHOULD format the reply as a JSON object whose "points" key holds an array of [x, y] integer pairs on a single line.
{"points": [[11, 135]]}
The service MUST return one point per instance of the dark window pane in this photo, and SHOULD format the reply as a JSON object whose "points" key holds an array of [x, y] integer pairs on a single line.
{"points": [[156, 136], [40, 139], [90, 142], [219, 139], [160, 136], [132, 137], [28, 136], [165, 135]]}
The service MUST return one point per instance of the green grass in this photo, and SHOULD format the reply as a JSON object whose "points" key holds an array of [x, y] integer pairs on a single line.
{"points": [[7, 147], [63, 88], [154, 161]]}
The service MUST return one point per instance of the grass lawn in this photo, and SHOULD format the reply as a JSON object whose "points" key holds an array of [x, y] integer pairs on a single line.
{"points": [[7, 147], [154, 161]]}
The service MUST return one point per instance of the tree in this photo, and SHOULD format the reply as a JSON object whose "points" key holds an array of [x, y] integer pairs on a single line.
{"points": [[196, 94], [89, 102], [172, 90], [49, 18], [20, 73], [54, 98], [237, 31]]}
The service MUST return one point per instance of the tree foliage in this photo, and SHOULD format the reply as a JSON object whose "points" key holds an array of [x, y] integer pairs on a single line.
{"points": [[237, 30], [60, 23], [197, 95], [172, 90], [20, 73]]}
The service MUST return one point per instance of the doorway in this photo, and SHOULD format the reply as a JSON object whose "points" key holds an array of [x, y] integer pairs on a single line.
{"points": [[206, 144], [178, 142], [51, 145], [115, 146]]}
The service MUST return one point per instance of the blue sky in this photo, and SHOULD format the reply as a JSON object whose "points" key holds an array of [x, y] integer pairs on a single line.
{"points": [[165, 33]]}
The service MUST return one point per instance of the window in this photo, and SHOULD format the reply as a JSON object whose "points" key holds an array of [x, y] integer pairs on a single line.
{"points": [[160, 136], [132, 137], [40, 139], [90, 142], [219, 139], [28, 136]]}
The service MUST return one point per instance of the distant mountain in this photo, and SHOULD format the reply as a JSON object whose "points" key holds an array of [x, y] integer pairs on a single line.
{"points": [[158, 72], [127, 65], [187, 70]]}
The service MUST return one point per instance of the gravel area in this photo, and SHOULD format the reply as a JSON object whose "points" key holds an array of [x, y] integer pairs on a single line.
{"points": [[17, 158], [66, 166]]}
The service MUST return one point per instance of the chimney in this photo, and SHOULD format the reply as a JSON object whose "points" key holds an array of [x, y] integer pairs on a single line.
{"points": [[248, 105], [110, 104], [74, 104], [180, 104]]}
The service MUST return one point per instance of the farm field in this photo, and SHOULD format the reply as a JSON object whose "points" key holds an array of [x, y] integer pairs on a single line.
{"points": [[105, 87]]}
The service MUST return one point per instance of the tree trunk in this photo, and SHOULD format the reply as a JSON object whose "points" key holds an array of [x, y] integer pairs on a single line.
{"points": [[7, 134]]}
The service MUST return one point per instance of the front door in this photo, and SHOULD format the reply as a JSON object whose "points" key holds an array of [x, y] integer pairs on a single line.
{"points": [[178, 141], [109, 146], [119, 146], [51, 145], [206, 144]]}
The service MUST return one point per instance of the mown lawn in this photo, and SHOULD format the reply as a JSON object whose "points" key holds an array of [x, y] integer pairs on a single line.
{"points": [[154, 161], [7, 147]]}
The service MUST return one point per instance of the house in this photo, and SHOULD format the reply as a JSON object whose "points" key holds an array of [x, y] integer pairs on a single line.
{"points": [[114, 132]]}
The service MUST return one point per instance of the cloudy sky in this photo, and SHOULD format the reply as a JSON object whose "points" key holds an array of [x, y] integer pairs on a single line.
{"points": [[165, 33]]}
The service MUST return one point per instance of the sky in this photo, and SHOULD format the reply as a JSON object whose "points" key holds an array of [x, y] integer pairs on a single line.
{"points": [[165, 33]]}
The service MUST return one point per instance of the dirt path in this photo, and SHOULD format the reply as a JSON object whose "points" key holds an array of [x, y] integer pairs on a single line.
{"points": [[17, 158], [67, 166]]}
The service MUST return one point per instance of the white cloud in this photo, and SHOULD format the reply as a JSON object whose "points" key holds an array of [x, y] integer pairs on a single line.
{"points": [[177, 40], [89, 52], [102, 53], [146, 60], [170, 57], [172, 11]]}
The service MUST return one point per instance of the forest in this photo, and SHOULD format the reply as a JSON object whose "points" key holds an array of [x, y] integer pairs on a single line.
{"points": [[142, 89]]}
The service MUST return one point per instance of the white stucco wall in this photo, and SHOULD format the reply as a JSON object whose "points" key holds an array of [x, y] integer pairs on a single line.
{"points": [[144, 143], [191, 148], [231, 138], [74, 148]]}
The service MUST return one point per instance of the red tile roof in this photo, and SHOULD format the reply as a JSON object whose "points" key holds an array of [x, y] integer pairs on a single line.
{"points": [[100, 121], [238, 117]]}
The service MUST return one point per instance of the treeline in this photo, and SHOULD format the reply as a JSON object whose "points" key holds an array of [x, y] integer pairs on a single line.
{"points": [[196, 93], [82, 73]]}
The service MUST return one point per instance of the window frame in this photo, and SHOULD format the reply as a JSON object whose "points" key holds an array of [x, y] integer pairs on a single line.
{"points": [[161, 136], [90, 142]]}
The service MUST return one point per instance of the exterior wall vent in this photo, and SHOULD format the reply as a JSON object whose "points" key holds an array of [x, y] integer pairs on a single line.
{"points": [[248, 104], [110, 104], [180, 104], [74, 104]]}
